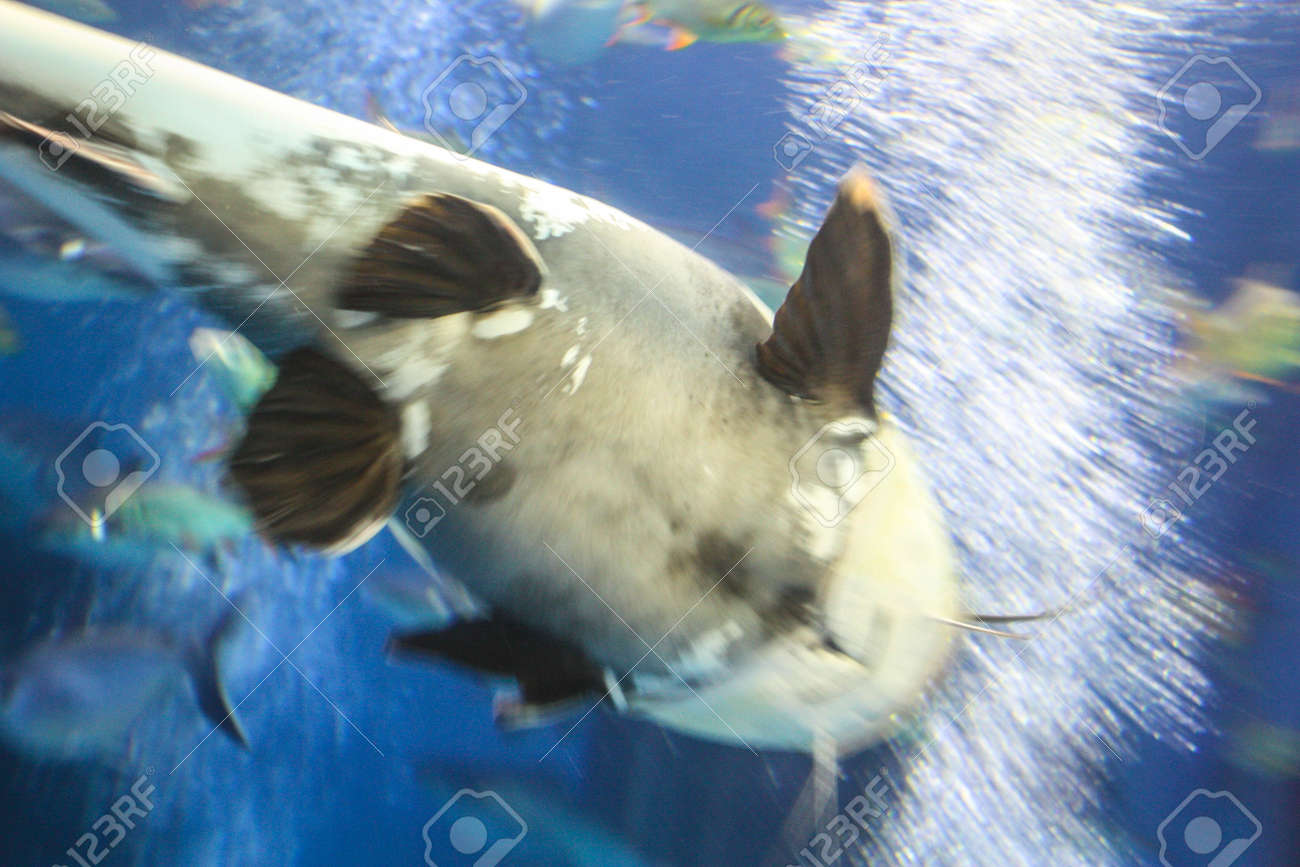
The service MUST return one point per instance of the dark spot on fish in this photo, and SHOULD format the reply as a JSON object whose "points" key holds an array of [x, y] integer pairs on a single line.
{"points": [[719, 559], [493, 486], [178, 150], [795, 604], [747, 322]]}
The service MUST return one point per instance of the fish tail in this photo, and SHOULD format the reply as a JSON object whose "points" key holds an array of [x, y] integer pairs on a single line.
{"points": [[209, 688]]}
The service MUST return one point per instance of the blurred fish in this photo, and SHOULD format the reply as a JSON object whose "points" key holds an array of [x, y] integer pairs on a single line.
{"points": [[1280, 128], [32, 228], [1253, 336], [30, 443], [44, 279], [417, 600], [576, 31], [154, 518], [80, 696], [10, 342], [712, 21], [89, 11], [573, 31], [1266, 748], [239, 367]]}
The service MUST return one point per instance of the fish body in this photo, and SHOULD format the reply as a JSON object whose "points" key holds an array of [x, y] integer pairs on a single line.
{"points": [[80, 696], [153, 519], [1252, 337], [714, 21], [687, 508], [240, 368], [577, 31]]}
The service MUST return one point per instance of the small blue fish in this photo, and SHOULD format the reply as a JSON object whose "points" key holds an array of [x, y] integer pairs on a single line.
{"points": [[79, 696], [239, 367], [153, 519]]}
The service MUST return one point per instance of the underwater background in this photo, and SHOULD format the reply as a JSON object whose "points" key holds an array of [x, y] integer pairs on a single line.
{"points": [[1070, 218]]}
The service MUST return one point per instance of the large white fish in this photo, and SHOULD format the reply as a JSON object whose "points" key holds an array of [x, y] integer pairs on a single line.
{"points": [[664, 497]]}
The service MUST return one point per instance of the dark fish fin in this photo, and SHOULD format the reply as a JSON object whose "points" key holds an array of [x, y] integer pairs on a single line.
{"points": [[829, 336], [441, 255], [209, 688], [549, 671], [321, 462], [97, 162]]}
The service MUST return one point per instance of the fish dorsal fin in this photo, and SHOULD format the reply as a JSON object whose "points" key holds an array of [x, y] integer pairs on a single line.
{"points": [[321, 463], [442, 254], [829, 336]]}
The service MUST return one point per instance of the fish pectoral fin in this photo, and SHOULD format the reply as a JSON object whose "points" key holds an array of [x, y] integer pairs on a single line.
{"points": [[321, 462], [681, 38], [97, 163], [551, 673], [442, 254], [829, 336]]}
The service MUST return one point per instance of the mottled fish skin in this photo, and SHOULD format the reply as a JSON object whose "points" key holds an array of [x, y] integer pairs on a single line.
{"points": [[651, 472]]}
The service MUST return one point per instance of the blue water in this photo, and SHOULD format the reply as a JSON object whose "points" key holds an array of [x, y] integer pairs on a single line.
{"points": [[352, 754]]}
